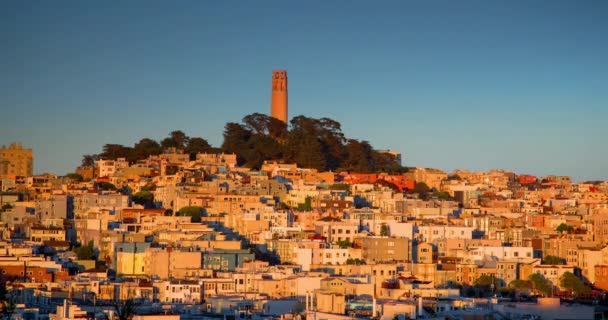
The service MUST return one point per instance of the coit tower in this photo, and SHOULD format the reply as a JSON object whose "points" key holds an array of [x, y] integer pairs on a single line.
{"points": [[278, 100]]}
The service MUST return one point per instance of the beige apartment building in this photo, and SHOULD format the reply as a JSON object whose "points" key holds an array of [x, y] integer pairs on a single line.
{"points": [[552, 273], [335, 231], [41, 234], [16, 161], [384, 249], [107, 168], [431, 177], [426, 253], [221, 159], [166, 263]]}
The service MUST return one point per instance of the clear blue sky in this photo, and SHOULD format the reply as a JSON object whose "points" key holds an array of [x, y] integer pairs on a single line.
{"points": [[519, 85]]}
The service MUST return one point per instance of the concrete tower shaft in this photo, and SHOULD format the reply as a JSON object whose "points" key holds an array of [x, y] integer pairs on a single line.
{"points": [[278, 100]]}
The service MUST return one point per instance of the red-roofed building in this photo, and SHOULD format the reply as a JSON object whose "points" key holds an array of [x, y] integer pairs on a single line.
{"points": [[526, 179], [37, 274], [137, 214], [354, 178], [402, 182]]}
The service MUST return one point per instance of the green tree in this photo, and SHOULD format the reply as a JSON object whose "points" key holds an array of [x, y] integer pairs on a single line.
{"points": [[315, 143], [553, 260], [126, 190], [197, 145], [486, 283], [194, 212], [384, 162], [106, 186], [564, 228], [236, 139], [421, 187], [454, 177], [145, 148], [261, 148], [148, 187], [355, 261], [115, 151], [310, 142], [383, 230], [571, 282], [344, 244], [257, 123], [358, 156], [486, 280], [144, 198], [307, 151], [86, 252], [74, 176], [306, 206], [88, 160], [521, 285], [177, 139], [541, 285], [125, 309], [277, 129]]}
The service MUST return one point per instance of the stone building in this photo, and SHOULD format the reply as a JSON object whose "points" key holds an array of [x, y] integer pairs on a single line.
{"points": [[16, 161]]}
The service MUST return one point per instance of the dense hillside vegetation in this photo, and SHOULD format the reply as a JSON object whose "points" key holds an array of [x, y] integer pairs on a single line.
{"points": [[309, 142]]}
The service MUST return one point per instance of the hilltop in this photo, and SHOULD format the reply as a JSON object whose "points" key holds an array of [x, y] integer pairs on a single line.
{"points": [[309, 142]]}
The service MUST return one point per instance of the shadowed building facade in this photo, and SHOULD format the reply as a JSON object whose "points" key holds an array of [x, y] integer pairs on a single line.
{"points": [[278, 100]]}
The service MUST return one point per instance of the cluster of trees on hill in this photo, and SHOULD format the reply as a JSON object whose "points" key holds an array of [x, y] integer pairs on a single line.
{"points": [[536, 284], [309, 142], [147, 147]]}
